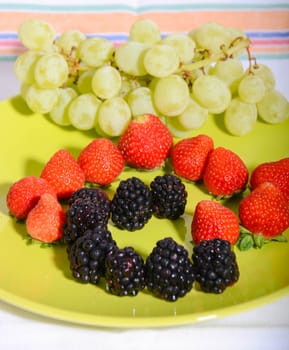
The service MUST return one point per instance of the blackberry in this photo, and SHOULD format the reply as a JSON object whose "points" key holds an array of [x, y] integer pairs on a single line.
{"points": [[124, 272], [88, 209], [94, 194], [169, 196], [87, 254], [131, 206], [215, 265], [169, 271]]}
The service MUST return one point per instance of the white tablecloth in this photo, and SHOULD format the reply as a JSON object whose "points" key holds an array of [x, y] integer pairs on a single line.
{"points": [[265, 327]]}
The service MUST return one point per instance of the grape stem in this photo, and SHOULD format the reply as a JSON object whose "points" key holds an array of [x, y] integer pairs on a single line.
{"points": [[241, 43]]}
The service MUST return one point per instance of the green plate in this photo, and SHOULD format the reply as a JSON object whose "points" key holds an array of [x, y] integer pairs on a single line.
{"points": [[39, 280]]}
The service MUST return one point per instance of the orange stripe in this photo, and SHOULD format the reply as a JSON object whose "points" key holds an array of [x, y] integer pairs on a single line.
{"points": [[167, 21]]}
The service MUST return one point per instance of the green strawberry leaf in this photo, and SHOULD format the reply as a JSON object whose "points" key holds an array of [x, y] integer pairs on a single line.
{"points": [[248, 240], [31, 241], [245, 242]]}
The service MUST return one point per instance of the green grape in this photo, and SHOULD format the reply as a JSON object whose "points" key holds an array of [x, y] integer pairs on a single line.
{"points": [[251, 88], [212, 36], [265, 73], [274, 107], [24, 66], [145, 31], [51, 71], [40, 100], [95, 52], [23, 90], [176, 129], [211, 93], [84, 81], [36, 35], [193, 117], [229, 70], [161, 60], [106, 82], [129, 58], [113, 116], [140, 101], [70, 40], [171, 95], [183, 44], [82, 111], [59, 113], [240, 117]]}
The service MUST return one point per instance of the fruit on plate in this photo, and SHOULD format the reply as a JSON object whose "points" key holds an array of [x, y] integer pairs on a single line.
{"points": [[183, 76], [124, 271], [146, 142], [63, 173], [189, 156], [131, 205], [215, 265], [24, 194], [169, 270], [169, 196], [265, 211], [87, 254], [212, 220], [225, 173], [101, 161], [44, 222], [276, 172]]}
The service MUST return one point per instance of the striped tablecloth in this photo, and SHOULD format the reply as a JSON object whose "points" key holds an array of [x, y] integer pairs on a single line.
{"points": [[266, 22]]}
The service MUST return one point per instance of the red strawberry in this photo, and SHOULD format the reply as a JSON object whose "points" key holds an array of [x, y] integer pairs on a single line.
{"points": [[64, 173], [101, 161], [44, 222], [189, 156], [24, 194], [212, 220], [225, 173], [275, 172], [146, 142], [265, 211]]}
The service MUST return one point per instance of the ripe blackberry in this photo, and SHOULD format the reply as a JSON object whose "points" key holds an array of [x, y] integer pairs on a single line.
{"points": [[169, 271], [87, 210], [169, 196], [87, 254], [124, 272], [131, 206], [215, 265], [95, 194]]}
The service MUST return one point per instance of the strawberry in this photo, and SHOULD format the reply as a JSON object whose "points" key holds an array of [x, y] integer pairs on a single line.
{"points": [[24, 194], [44, 222], [213, 220], [276, 172], [189, 156], [265, 211], [101, 161], [64, 174], [146, 142], [225, 173]]}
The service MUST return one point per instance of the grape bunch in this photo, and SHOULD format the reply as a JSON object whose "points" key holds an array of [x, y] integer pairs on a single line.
{"points": [[183, 78]]}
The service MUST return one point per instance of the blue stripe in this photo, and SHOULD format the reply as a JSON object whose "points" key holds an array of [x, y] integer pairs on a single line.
{"points": [[141, 9], [123, 36]]}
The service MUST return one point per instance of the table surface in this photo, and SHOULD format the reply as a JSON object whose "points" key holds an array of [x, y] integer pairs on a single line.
{"points": [[265, 327]]}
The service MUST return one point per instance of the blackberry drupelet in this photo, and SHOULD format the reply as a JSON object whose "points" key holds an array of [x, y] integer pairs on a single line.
{"points": [[87, 254], [215, 265], [88, 209], [169, 196], [169, 271], [131, 206], [124, 272], [94, 194]]}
